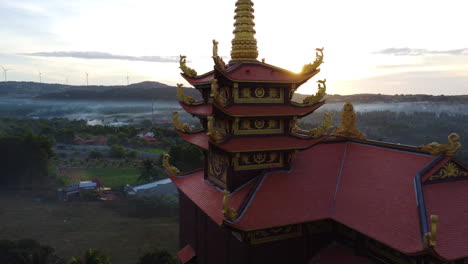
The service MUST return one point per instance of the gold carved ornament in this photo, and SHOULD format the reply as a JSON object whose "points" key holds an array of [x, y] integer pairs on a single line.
{"points": [[218, 94], [347, 127], [171, 169], [321, 92], [213, 132], [228, 212], [311, 67], [183, 97], [449, 149], [179, 124], [185, 69], [315, 132], [218, 168], [449, 170], [216, 58], [430, 237]]}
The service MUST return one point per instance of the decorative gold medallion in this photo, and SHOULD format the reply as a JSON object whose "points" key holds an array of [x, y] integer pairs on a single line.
{"points": [[260, 92], [259, 124]]}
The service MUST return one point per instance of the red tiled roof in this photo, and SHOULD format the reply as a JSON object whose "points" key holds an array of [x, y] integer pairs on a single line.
{"points": [[270, 110], [339, 253], [449, 201], [204, 109], [261, 143], [198, 139], [202, 79], [186, 254], [208, 197], [261, 72]]}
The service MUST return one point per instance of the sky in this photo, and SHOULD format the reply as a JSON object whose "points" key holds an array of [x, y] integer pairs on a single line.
{"points": [[388, 47]]}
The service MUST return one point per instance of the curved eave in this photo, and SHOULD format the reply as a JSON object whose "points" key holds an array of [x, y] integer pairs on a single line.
{"points": [[199, 80], [199, 139], [255, 73], [247, 110], [198, 110], [267, 143]]}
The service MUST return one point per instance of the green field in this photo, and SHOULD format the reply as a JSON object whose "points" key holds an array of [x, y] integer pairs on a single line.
{"points": [[71, 228], [152, 150], [111, 177]]}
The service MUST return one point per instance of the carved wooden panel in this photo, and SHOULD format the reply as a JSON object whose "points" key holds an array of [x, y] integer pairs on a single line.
{"points": [[273, 234], [450, 171], [257, 126], [258, 94], [258, 160], [218, 165]]}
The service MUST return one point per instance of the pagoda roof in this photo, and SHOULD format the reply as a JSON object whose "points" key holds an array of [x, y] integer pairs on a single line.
{"points": [[207, 196], [262, 72], [199, 139], [263, 143], [252, 72], [246, 110]]}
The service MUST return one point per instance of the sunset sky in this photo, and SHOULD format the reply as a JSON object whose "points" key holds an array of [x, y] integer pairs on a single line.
{"points": [[390, 47]]}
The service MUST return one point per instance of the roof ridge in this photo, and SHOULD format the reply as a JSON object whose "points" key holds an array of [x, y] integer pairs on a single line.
{"points": [[340, 173], [250, 196]]}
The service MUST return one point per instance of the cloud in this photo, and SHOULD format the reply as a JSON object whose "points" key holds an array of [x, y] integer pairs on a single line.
{"points": [[101, 56], [420, 52]]}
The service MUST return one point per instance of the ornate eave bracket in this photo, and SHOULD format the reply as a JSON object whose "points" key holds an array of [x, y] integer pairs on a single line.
{"points": [[219, 62], [185, 69], [449, 149], [186, 99], [213, 132], [430, 237], [167, 166], [347, 127], [179, 125], [321, 92], [218, 95], [311, 67], [315, 132], [228, 212]]}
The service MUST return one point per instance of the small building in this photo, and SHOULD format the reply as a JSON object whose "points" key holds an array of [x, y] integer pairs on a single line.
{"points": [[160, 187]]}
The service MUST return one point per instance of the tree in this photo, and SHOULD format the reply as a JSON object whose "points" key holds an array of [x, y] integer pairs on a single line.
{"points": [[117, 151], [186, 157], [92, 256], [96, 154], [149, 171], [157, 256]]}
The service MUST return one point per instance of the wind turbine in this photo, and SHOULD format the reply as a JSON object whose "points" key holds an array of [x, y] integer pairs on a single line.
{"points": [[86, 78], [40, 76], [128, 79], [5, 72]]}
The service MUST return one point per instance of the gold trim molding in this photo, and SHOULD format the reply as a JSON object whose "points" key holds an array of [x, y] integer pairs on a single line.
{"points": [[258, 95], [185, 69], [449, 170], [321, 130], [170, 168]]}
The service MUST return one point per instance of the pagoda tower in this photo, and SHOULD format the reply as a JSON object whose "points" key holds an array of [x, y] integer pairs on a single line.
{"points": [[271, 192], [248, 116]]}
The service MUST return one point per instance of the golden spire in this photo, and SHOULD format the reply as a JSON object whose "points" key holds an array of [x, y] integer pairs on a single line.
{"points": [[244, 44]]}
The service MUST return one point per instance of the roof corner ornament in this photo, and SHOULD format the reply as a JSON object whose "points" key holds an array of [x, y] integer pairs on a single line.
{"points": [[179, 124], [217, 94], [311, 67], [213, 133], [216, 58], [430, 237], [185, 69], [347, 127], [321, 92], [187, 99], [449, 149], [315, 132], [171, 169], [228, 212]]}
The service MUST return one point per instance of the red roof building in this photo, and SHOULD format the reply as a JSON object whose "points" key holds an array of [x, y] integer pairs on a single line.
{"points": [[272, 192]]}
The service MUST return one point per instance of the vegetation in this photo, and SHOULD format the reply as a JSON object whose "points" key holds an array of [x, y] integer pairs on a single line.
{"points": [[157, 256], [186, 157], [150, 171], [91, 256], [110, 177], [27, 251]]}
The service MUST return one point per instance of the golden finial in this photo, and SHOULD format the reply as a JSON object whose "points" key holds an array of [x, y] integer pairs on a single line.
{"points": [[228, 212], [348, 128], [311, 67], [216, 58], [171, 169], [450, 149], [187, 99], [185, 69], [321, 92], [244, 44], [430, 237], [179, 124]]}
